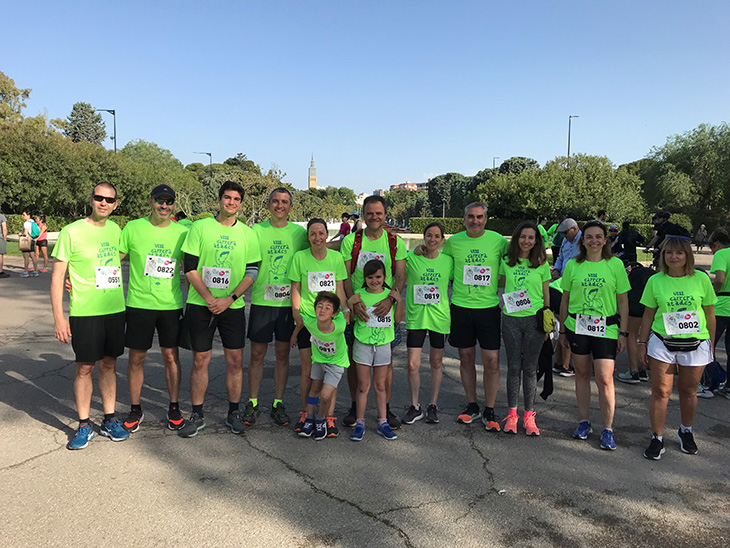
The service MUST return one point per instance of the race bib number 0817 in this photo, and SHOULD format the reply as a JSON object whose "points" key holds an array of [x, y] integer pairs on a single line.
{"points": [[477, 275]]}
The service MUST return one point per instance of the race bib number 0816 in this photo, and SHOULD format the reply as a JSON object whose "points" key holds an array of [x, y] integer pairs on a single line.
{"points": [[216, 278]]}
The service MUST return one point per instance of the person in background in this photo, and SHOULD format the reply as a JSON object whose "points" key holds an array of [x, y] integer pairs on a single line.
{"points": [[29, 228], [41, 242], [3, 244], [638, 276], [629, 239], [601, 216], [701, 238], [720, 247], [182, 219]]}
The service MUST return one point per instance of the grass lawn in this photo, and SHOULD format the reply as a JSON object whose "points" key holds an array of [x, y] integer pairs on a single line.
{"points": [[15, 252]]}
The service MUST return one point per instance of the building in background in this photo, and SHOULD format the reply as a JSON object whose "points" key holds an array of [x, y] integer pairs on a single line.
{"points": [[378, 192], [408, 185], [312, 182], [360, 198]]}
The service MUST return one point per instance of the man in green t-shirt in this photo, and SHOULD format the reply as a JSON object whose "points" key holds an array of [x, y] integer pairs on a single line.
{"points": [[271, 313], [154, 300], [374, 243], [720, 246], [89, 250], [221, 263], [475, 315]]}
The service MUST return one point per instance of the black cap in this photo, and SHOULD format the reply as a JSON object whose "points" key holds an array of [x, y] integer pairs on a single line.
{"points": [[663, 214], [162, 190]]}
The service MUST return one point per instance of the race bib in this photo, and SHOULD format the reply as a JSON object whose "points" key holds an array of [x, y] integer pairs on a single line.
{"points": [[159, 267], [593, 326], [327, 348], [366, 256], [517, 301], [379, 321], [477, 275], [321, 281], [682, 323], [426, 294], [216, 278], [278, 292], [108, 277]]}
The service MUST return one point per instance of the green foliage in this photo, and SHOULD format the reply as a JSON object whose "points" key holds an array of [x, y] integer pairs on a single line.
{"points": [[404, 204], [327, 203], [84, 124], [518, 164], [451, 225], [12, 100], [242, 162]]}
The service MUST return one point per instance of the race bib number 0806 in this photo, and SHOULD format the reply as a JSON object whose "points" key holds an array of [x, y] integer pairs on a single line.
{"points": [[517, 301]]}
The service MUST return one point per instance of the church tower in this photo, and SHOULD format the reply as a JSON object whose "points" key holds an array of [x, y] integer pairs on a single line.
{"points": [[312, 175]]}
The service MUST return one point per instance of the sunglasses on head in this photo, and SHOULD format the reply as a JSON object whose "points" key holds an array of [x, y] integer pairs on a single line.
{"points": [[162, 201], [106, 199]]}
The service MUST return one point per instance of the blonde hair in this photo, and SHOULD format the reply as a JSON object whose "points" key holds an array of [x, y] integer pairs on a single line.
{"points": [[685, 246]]}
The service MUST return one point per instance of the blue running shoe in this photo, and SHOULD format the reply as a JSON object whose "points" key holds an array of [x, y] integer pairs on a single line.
{"points": [[307, 429], [82, 437], [113, 430], [320, 430], [584, 428], [607, 440], [358, 432], [385, 431]]}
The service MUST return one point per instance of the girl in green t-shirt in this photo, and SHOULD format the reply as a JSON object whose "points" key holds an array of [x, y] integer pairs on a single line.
{"points": [[594, 315], [525, 274], [371, 349], [679, 309]]}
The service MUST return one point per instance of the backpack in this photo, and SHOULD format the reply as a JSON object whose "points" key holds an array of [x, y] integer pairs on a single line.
{"points": [[674, 229], [34, 230], [357, 246]]}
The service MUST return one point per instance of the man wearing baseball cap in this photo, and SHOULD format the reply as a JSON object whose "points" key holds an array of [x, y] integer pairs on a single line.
{"points": [[154, 299], [569, 248]]}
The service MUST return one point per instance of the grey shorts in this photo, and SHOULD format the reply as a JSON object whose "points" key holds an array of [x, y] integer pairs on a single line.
{"points": [[329, 373], [3, 246], [371, 354]]}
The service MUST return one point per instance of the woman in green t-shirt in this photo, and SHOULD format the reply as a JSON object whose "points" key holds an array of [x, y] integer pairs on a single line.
{"points": [[680, 315], [525, 274], [311, 271], [594, 305], [427, 313]]}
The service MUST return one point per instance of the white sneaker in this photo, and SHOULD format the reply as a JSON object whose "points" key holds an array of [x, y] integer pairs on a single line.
{"points": [[703, 392], [34, 273], [24, 274]]}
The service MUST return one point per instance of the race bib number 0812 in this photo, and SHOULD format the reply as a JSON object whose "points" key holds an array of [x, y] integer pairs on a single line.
{"points": [[593, 326]]}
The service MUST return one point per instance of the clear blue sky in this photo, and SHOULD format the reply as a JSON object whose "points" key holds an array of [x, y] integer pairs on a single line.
{"points": [[380, 92]]}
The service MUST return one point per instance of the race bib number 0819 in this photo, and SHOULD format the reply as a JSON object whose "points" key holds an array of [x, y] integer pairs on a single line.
{"points": [[426, 294], [477, 275]]}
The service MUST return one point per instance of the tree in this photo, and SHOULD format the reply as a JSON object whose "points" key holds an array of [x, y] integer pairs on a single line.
{"points": [[12, 100], [242, 162], [518, 164], [442, 190], [84, 124]]}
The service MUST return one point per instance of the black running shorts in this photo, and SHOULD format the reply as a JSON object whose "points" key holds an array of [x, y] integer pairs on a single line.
{"points": [[141, 325], [469, 325], [265, 322], [97, 337], [202, 324]]}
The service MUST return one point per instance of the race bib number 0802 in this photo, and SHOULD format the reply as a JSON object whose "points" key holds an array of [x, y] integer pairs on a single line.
{"points": [[108, 277], [216, 278], [159, 267], [593, 326], [682, 323], [477, 275]]}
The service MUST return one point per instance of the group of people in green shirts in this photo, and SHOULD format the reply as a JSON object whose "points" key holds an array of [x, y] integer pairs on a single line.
{"points": [[345, 308]]}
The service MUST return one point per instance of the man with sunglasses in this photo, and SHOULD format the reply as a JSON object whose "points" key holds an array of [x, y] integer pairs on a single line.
{"points": [[154, 300], [221, 263], [89, 250]]}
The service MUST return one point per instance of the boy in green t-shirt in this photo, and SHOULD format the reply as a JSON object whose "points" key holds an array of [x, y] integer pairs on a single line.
{"points": [[720, 245], [329, 360]]}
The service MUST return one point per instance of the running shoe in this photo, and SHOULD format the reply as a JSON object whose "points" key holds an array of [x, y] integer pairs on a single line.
{"points": [[82, 437], [133, 420], [704, 393], [24, 274], [491, 424], [469, 414], [4, 274], [725, 392], [234, 421], [307, 428], [300, 422], [320, 430], [629, 377], [351, 418], [192, 426], [643, 375], [250, 413], [175, 419], [528, 420], [34, 273], [431, 414], [358, 432], [510, 423], [413, 414], [584, 428], [113, 430], [557, 368], [393, 421], [655, 449], [687, 442], [607, 440], [278, 413], [385, 431], [43, 270], [332, 430], [570, 372]]}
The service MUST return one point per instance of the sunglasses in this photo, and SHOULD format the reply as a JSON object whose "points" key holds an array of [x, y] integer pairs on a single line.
{"points": [[162, 201], [106, 199]]}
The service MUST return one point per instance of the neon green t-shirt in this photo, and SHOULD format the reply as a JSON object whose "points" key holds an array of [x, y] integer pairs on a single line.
{"points": [[328, 348], [685, 294], [557, 284], [92, 254], [187, 223], [223, 253], [316, 276], [476, 268], [427, 292], [522, 284], [371, 249], [155, 255], [370, 334], [544, 234], [277, 247], [593, 288], [721, 262]]}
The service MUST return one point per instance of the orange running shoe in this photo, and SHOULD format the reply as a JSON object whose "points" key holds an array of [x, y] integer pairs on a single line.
{"points": [[302, 418], [510, 423], [489, 419], [528, 419], [332, 430]]}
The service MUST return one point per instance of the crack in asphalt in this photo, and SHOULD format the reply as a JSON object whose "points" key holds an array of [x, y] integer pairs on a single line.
{"points": [[30, 459], [485, 467], [310, 482]]}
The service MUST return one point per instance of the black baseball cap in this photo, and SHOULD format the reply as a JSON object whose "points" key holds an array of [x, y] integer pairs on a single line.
{"points": [[162, 190]]}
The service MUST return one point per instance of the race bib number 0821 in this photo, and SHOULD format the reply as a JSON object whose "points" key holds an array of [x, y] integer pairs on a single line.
{"points": [[321, 281]]}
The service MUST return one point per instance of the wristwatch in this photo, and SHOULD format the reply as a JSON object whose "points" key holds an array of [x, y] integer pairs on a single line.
{"points": [[233, 296], [624, 333], [392, 300]]}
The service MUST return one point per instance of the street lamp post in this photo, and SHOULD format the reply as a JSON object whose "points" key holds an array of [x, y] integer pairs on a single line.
{"points": [[113, 112], [210, 157], [494, 161], [570, 120]]}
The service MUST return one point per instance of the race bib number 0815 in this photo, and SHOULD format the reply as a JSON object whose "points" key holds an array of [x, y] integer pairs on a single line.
{"points": [[379, 321]]}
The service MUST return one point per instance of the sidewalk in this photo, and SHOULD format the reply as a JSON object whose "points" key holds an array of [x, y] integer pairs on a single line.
{"points": [[436, 486]]}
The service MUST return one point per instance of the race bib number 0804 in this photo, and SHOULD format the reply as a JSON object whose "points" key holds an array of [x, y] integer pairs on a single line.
{"points": [[216, 278], [108, 277], [277, 292], [477, 275], [159, 267], [365, 256]]}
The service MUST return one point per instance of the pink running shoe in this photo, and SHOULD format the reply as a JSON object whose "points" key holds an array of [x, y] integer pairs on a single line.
{"points": [[528, 420], [510, 423]]}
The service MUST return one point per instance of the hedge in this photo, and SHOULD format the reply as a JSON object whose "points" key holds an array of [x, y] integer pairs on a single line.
{"points": [[55, 224]]}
